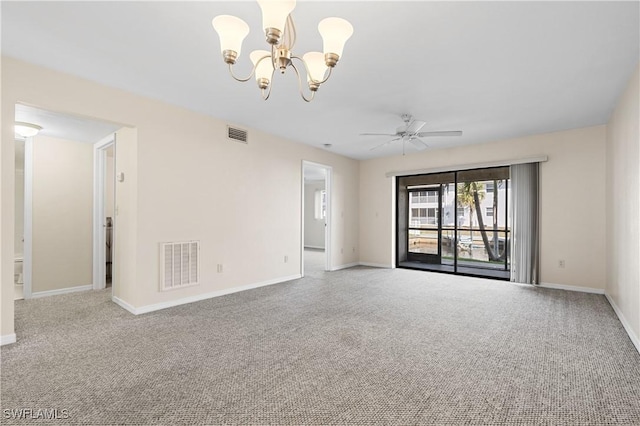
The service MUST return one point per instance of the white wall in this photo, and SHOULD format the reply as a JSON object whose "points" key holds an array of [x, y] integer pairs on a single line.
{"points": [[313, 227], [623, 208], [572, 199], [185, 180], [62, 204]]}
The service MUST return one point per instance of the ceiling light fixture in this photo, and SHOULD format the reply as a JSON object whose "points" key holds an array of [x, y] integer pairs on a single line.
{"points": [[280, 33], [26, 130]]}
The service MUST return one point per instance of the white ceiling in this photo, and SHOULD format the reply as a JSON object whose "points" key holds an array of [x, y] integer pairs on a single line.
{"points": [[495, 70]]}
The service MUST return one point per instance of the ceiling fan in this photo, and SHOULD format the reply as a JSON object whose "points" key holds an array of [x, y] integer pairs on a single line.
{"points": [[410, 132]]}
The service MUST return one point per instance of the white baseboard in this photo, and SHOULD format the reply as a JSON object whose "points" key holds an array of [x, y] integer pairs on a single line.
{"points": [[634, 339], [314, 247], [123, 304], [348, 265], [61, 291], [199, 297], [375, 265], [7, 339], [571, 288]]}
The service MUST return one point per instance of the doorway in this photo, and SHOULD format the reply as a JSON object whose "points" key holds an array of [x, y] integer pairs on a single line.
{"points": [[103, 211], [58, 201], [316, 218]]}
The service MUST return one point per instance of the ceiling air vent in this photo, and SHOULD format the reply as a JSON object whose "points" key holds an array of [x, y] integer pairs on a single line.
{"points": [[237, 134]]}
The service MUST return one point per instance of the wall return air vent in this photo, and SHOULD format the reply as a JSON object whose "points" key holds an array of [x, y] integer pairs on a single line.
{"points": [[179, 264], [236, 134]]}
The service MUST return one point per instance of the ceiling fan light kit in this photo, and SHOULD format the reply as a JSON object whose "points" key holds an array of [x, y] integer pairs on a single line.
{"points": [[280, 34]]}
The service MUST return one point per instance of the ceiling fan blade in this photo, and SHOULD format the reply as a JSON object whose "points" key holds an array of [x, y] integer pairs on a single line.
{"points": [[446, 133], [418, 144], [377, 134], [415, 126], [383, 144]]}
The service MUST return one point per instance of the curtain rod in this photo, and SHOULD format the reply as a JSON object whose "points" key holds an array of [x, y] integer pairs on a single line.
{"points": [[539, 159]]}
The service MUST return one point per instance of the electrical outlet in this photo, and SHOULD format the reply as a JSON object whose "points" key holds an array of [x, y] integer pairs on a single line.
{"points": [[219, 268], [341, 250], [561, 263], [354, 249], [286, 259]]}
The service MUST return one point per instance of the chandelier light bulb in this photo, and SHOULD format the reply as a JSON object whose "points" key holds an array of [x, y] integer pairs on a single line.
{"points": [[264, 67], [316, 67], [335, 32], [274, 17], [232, 32]]}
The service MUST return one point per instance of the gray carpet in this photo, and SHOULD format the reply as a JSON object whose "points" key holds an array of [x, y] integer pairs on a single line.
{"points": [[359, 346], [314, 261]]}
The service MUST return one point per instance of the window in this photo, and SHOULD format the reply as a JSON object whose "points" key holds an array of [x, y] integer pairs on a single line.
{"points": [[423, 197], [489, 186], [489, 212], [416, 213], [431, 215]]}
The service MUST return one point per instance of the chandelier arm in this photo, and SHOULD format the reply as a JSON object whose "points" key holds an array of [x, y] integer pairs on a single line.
{"points": [[300, 85], [268, 92], [273, 56], [252, 71], [306, 67], [241, 79], [328, 75]]}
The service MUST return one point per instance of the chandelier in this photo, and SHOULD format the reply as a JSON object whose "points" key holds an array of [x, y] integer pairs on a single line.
{"points": [[280, 33]]}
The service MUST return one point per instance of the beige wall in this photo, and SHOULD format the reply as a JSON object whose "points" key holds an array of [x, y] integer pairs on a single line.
{"points": [[313, 228], [125, 233], [623, 206], [572, 194], [185, 181], [62, 208]]}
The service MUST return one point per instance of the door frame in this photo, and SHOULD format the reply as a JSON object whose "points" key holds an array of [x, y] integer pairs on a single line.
{"points": [[327, 229], [99, 183]]}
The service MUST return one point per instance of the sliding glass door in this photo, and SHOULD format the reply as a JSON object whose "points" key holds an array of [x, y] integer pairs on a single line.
{"points": [[483, 234], [455, 222]]}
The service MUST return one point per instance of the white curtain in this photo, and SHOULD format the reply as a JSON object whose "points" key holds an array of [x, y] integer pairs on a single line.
{"points": [[524, 226]]}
